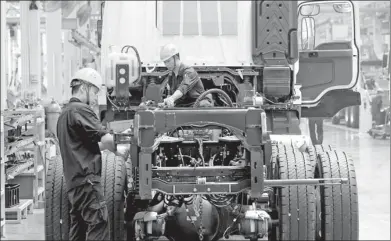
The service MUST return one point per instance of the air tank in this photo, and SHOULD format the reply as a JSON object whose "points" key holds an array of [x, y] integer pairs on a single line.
{"points": [[53, 111], [122, 66]]}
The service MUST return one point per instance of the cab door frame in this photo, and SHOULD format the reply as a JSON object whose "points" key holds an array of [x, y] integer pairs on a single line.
{"points": [[355, 54]]}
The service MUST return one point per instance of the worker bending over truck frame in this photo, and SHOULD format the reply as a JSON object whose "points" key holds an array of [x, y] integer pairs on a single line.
{"points": [[185, 85]]}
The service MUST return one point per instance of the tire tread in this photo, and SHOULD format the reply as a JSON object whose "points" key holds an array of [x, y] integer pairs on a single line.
{"points": [[297, 214], [340, 202], [56, 202]]}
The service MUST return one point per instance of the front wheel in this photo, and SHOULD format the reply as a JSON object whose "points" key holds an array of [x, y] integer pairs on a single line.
{"points": [[354, 118], [347, 117]]}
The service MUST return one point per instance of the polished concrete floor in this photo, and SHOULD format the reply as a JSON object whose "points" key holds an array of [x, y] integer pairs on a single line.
{"points": [[372, 161]]}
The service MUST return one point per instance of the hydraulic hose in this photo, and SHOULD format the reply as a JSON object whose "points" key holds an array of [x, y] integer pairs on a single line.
{"points": [[138, 58], [210, 91]]}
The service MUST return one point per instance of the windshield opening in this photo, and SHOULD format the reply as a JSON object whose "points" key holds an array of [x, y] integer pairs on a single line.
{"points": [[326, 24]]}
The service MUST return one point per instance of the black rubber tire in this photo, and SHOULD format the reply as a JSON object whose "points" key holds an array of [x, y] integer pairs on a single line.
{"points": [[273, 161], [347, 117], [114, 185], [295, 204], [354, 116], [314, 150], [56, 202], [338, 216]]}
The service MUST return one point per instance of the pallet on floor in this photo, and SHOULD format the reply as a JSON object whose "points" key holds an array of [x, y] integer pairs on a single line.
{"points": [[16, 213]]}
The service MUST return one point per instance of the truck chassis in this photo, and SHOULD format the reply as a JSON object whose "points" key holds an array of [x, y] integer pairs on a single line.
{"points": [[217, 173], [274, 190]]}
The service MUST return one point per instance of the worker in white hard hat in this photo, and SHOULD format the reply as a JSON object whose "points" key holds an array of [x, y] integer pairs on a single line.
{"points": [[185, 84], [82, 138]]}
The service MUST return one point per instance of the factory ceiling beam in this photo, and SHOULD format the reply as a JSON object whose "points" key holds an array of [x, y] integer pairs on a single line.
{"points": [[66, 24], [80, 40], [72, 55], [30, 50], [54, 56], [3, 81]]}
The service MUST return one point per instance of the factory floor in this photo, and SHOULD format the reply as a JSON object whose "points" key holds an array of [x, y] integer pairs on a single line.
{"points": [[372, 162]]}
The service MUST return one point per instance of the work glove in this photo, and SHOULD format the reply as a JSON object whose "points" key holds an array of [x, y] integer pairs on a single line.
{"points": [[127, 131], [169, 102]]}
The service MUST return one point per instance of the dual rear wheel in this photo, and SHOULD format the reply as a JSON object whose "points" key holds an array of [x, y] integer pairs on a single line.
{"points": [[328, 212]]}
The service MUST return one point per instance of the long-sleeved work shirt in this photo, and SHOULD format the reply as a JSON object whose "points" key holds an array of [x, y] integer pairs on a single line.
{"points": [[188, 82], [79, 131]]}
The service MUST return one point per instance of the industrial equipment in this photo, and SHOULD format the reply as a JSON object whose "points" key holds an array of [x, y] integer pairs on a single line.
{"points": [[52, 113], [239, 169], [382, 130]]}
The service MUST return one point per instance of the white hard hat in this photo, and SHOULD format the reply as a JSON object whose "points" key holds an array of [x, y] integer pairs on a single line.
{"points": [[168, 51], [88, 75]]}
